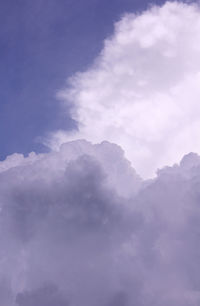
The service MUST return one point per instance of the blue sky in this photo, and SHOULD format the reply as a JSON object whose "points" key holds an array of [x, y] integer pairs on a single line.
{"points": [[42, 43], [110, 215]]}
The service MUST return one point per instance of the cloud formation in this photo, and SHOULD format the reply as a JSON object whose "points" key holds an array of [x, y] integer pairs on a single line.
{"points": [[142, 92], [79, 227]]}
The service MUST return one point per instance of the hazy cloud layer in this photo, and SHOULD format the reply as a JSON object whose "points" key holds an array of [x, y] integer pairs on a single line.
{"points": [[79, 227], [143, 90]]}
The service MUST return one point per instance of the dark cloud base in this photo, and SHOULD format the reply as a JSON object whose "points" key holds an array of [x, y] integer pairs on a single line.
{"points": [[79, 227]]}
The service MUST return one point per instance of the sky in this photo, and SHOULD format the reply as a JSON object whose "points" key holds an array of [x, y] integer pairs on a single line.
{"points": [[41, 45], [100, 153]]}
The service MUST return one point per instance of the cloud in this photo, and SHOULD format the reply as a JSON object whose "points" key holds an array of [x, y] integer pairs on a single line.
{"points": [[45, 296], [78, 227], [142, 92]]}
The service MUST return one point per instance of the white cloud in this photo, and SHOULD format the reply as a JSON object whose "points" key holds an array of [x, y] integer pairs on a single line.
{"points": [[142, 92], [79, 228]]}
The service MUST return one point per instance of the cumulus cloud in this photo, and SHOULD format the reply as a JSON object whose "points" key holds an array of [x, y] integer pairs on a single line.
{"points": [[78, 227], [142, 92]]}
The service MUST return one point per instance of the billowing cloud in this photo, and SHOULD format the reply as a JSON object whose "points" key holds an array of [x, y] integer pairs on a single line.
{"points": [[142, 92], [79, 227]]}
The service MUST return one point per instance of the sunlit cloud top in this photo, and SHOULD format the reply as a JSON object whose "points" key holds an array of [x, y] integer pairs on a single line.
{"points": [[142, 92]]}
